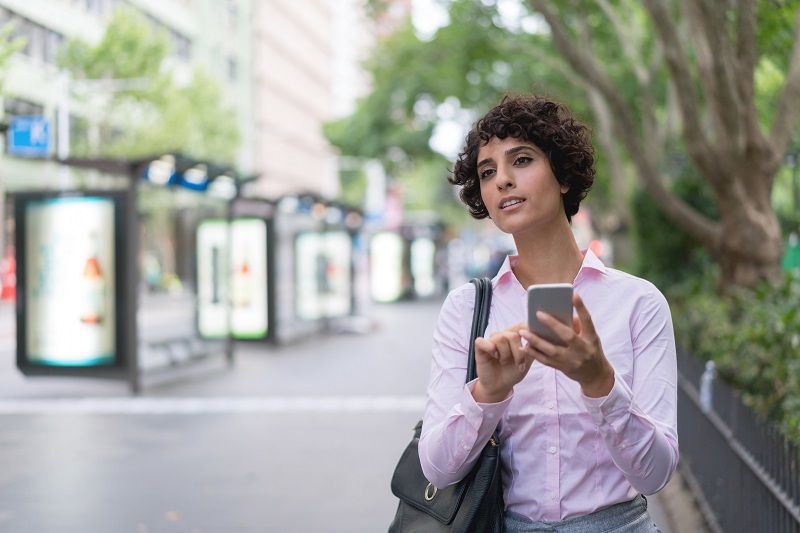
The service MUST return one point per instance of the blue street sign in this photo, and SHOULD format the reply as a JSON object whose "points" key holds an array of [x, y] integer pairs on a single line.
{"points": [[29, 136]]}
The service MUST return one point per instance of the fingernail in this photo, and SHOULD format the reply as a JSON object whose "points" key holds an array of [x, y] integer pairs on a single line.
{"points": [[539, 315]]}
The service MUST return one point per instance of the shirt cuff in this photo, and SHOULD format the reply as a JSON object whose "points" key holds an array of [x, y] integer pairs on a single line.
{"points": [[483, 413], [614, 409]]}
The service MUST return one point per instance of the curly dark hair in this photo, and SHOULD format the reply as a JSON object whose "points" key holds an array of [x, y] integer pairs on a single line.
{"points": [[543, 122]]}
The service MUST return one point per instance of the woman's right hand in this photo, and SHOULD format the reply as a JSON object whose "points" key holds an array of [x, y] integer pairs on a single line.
{"points": [[501, 362]]}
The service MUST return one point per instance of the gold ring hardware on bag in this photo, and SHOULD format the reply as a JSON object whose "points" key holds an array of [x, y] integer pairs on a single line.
{"points": [[429, 495]]}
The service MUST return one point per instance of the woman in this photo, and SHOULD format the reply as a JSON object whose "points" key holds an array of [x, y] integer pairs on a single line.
{"points": [[586, 428]]}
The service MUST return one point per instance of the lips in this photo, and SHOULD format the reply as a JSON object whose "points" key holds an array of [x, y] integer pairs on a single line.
{"points": [[510, 201]]}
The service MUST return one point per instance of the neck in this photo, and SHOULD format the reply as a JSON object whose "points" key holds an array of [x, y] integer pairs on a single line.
{"points": [[547, 256]]}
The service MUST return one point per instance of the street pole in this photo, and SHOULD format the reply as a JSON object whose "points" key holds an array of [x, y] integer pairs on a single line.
{"points": [[229, 295], [131, 301]]}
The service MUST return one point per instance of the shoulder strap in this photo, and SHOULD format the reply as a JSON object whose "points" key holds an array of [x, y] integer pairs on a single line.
{"points": [[480, 320]]}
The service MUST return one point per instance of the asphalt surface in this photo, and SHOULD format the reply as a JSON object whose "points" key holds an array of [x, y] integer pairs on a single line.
{"points": [[300, 438]]}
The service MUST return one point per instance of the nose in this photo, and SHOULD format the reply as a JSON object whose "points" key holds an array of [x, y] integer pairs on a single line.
{"points": [[504, 180]]}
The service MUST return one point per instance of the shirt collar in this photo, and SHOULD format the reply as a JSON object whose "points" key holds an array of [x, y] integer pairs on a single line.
{"points": [[505, 274]]}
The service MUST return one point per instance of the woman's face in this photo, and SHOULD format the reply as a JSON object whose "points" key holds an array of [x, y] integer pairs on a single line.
{"points": [[518, 186]]}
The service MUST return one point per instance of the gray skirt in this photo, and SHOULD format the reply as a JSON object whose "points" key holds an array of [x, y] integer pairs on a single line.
{"points": [[625, 517]]}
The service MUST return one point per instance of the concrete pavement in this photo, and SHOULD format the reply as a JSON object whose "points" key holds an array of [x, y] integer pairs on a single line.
{"points": [[296, 438]]}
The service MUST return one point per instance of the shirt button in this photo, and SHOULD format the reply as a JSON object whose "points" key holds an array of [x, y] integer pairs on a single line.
{"points": [[551, 405], [554, 498], [552, 449]]}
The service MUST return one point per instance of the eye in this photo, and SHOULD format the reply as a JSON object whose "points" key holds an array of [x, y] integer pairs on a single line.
{"points": [[523, 160], [486, 173]]}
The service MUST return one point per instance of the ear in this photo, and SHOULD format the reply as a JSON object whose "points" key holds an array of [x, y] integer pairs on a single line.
{"points": [[564, 188]]}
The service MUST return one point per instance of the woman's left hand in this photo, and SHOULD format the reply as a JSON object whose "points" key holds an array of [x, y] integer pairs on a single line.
{"points": [[581, 357]]}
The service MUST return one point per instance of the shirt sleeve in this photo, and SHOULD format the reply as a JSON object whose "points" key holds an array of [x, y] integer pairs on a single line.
{"points": [[639, 424], [455, 427]]}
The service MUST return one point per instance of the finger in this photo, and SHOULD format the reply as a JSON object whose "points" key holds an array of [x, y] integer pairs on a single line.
{"points": [[576, 324], [503, 348], [541, 345], [545, 359], [515, 343], [517, 327], [485, 348], [529, 356], [587, 326], [562, 331]]}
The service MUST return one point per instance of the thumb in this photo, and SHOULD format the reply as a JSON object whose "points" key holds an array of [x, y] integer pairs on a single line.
{"points": [[576, 324]]}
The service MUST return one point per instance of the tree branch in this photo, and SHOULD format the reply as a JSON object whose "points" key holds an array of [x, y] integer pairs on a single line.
{"points": [[697, 225], [788, 104], [747, 54], [713, 38], [619, 193], [702, 152], [630, 45]]}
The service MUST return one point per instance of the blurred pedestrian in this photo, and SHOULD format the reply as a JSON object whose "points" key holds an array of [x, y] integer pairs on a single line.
{"points": [[587, 426]]}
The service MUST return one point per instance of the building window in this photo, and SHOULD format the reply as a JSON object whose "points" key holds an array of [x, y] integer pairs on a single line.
{"points": [[232, 69], [52, 44], [233, 15], [94, 7], [182, 44], [79, 136], [14, 107], [40, 43]]}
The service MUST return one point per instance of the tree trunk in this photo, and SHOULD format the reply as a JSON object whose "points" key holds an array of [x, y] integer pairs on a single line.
{"points": [[750, 245]]}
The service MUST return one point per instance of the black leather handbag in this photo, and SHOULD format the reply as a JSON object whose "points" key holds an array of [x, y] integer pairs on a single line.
{"points": [[474, 504]]}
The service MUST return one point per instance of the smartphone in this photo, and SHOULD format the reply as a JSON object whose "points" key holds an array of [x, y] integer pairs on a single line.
{"points": [[554, 299]]}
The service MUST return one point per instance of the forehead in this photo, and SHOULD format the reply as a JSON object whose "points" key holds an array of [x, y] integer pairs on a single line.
{"points": [[497, 147]]}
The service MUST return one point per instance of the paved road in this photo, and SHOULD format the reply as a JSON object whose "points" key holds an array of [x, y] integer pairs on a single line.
{"points": [[301, 438]]}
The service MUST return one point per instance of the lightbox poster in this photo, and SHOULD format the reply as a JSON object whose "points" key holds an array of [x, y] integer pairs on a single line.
{"points": [[70, 308], [338, 250], [212, 278], [323, 284], [423, 251], [386, 267], [249, 278], [310, 282]]}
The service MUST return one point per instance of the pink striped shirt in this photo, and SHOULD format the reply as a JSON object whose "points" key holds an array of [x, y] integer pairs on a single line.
{"points": [[564, 454]]}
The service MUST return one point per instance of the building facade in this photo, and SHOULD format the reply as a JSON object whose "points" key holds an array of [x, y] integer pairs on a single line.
{"points": [[208, 34]]}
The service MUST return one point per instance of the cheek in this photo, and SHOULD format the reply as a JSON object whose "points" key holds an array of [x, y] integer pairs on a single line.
{"points": [[485, 196]]}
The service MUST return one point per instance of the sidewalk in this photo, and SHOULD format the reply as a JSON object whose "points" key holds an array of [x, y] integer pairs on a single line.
{"points": [[264, 372]]}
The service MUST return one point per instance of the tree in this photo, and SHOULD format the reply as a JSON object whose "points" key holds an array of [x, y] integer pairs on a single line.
{"points": [[8, 46], [717, 80], [469, 64], [710, 50], [153, 114]]}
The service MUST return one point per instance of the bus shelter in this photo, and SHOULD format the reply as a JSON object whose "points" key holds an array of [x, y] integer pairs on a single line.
{"points": [[81, 296]]}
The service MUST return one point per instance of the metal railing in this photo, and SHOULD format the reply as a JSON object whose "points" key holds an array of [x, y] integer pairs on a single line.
{"points": [[743, 471]]}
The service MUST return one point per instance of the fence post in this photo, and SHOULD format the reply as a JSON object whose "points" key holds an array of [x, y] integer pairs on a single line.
{"points": [[707, 386]]}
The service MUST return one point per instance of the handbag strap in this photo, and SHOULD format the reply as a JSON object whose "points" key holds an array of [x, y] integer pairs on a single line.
{"points": [[480, 320]]}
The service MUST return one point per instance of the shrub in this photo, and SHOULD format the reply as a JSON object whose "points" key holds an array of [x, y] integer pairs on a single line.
{"points": [[753, 337]]}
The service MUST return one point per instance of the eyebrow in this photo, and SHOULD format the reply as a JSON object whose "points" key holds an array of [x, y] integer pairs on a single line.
{"points": [[510, 151]]}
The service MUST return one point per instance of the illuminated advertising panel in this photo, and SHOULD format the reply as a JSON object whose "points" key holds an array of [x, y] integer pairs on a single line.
{"points": [[386, 267], [310, 281], [212, 278], [323, 284], [249, 278], [69, 280], [338, 268], [423, 251]]}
